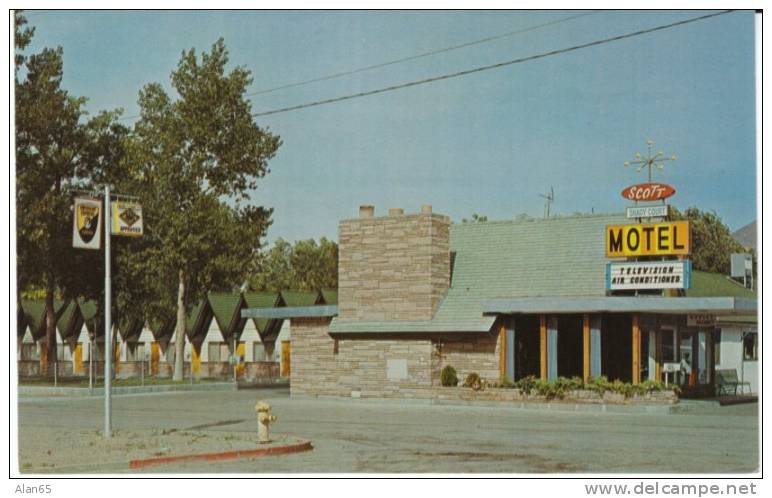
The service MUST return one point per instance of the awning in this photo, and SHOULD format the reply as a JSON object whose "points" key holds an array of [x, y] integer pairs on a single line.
{"points": [[621, 304], [290, 312]]}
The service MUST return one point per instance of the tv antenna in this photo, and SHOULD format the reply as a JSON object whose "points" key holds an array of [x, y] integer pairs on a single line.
{"points": [[657, 160], [549, 199]]}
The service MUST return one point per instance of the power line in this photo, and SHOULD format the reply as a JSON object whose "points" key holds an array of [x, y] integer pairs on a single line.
{"points": [[419, 56], [409, 58], [491, 66]]}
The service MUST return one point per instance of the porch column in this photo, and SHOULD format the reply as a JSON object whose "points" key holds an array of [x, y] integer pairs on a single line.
{"points": [[658, 356], [595, 363], [543, 347], [510, 340], [636, 338], [552, 348], [586, 348], [502, 350]]}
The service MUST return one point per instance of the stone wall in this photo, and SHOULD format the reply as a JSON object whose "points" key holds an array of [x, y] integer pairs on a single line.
{"points": [[359, 367], [471, 353], [394, 267]]}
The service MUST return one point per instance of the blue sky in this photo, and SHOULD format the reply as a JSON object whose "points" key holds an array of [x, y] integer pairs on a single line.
{"points": [[486, 143]]}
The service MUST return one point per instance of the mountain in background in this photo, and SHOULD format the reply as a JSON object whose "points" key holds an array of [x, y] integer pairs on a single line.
{"points": [[747, 235]]}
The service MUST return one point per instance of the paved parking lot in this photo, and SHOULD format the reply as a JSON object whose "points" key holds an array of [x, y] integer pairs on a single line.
{"points": [[386, 436]]}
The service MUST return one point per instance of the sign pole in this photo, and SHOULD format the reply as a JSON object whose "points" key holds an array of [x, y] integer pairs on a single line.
{"points": [[108, 329]]}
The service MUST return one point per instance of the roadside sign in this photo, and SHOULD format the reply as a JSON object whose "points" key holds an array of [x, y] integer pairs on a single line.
{"points": [[126, 218], [661, 211], [700, 320], [648, 192], [648, 239], [642, 275], [87, 223]]}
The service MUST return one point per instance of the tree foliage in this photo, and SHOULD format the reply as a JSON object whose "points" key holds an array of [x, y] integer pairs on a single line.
{"points": [[305, 266], [712, 241], [58, 153], [194, 161]]}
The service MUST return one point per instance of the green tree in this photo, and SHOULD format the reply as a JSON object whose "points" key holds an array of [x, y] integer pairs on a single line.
{"points": [[476, 218], [304, 266], [712, 241], [194, 161], [55, 155]]}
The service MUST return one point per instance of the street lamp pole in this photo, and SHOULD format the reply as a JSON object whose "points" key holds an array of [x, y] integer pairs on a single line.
{"points": [[108, 329]]}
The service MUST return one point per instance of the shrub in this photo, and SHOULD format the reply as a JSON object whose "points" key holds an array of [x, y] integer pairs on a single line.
{"points": [[526, 384], [474, 381], [448, 376]]}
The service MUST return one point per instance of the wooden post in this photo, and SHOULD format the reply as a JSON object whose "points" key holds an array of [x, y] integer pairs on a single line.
{"points": [[636, 338], [658, 356], [586, 348], [502, 351], [543, 347]]}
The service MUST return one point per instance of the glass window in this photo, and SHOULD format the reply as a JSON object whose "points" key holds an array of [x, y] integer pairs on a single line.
{"points": [[750, 346], [214, 351], [29, 351], [258, 350], [717, 346], [668, 350], [134, 351]]}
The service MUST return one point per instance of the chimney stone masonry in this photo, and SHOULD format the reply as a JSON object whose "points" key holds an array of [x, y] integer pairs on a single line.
{"points": [[393, 267]]}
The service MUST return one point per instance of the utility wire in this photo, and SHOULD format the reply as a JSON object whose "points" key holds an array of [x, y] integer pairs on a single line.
{"points": [[409, 58], [419, 56], [491, 66]]}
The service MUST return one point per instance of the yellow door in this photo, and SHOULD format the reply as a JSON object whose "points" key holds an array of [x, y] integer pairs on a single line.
{"points": [[155, 357], [286, 351], [117, 359], [77, 360], [240, 354], [195, 361], [43, 358]]}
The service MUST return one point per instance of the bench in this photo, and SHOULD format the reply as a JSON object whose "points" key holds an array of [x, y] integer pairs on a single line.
{"points": [[728, 381]]}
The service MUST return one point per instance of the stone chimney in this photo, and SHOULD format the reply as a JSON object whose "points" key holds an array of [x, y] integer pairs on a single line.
{"points": [[394, 267]]}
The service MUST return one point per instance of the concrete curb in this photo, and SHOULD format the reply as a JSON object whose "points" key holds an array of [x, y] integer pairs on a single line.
{"points": [[227, 455], [510, 405], [99, 391]]}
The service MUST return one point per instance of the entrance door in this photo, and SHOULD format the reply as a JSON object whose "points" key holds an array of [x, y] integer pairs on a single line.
{"points": [[155, 357], [286, 352], [77, 360]]}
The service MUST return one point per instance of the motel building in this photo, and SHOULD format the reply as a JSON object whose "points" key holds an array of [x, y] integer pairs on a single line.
{"points": [[583, 296]]}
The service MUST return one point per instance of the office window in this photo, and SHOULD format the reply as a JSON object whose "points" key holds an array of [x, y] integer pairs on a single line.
{"points": [[750, 346], [717, 346], [668, 350]]}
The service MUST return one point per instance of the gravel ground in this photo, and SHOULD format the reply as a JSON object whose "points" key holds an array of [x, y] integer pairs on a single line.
{"points": [[381, 437]]}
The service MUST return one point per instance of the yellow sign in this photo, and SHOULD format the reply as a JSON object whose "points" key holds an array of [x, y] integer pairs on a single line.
{"points": [[87, 223], [649, 239], [126, 218]]}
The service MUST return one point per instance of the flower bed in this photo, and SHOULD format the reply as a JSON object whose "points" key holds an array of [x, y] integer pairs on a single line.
{"points": [[598, 391]]}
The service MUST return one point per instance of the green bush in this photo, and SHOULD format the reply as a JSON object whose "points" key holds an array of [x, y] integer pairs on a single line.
{"points": [[474, 381], [448, 376]]}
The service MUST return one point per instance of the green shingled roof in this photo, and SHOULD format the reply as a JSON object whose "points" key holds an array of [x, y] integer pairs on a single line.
{"points": [[70, 321], [520, 258], [161, 330], [301, 298], [706, 284], [262, 300], [330, 296], [227, 313], [130, 328], [35, 311], [199, 319]]}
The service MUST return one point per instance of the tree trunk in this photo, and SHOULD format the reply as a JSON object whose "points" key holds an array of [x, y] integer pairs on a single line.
{"points": [[179, 345], [48, 360]]}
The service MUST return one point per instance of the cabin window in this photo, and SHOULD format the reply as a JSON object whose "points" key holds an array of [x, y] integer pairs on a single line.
{"points": [[218, 351], [134, 351], [750, 346], [258, 351]]}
